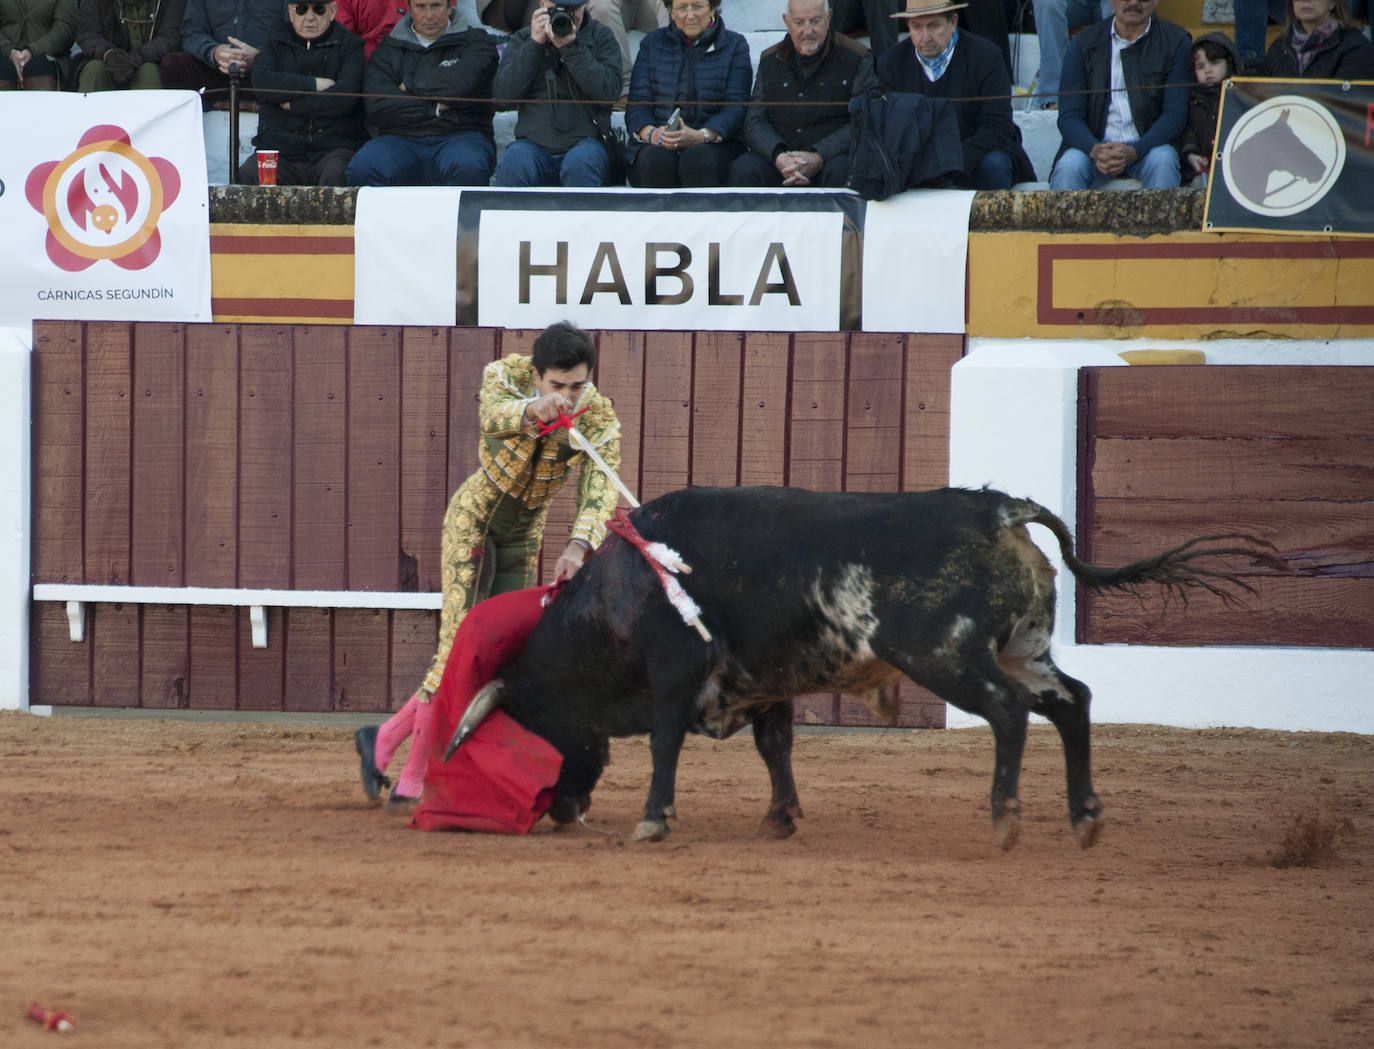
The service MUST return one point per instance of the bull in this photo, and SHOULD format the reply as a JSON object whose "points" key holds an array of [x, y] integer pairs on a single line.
{"points": [[804, 592]]}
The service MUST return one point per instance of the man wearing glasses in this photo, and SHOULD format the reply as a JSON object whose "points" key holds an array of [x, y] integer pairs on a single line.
{"points": [[569, 69], [124, 40], [428, 90], [307, 78]]}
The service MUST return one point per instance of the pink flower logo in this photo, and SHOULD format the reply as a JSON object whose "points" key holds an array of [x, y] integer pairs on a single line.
{"points": [[103, 201]]}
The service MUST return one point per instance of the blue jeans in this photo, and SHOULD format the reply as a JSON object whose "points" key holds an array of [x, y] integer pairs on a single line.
{"points": [[1053, 20], [525, 164], [461, 159], [1157, 169], [1252, 23], [993, 171]]}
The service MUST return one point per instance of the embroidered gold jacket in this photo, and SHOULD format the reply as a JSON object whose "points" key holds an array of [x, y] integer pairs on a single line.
{"points": [[533, 469]]}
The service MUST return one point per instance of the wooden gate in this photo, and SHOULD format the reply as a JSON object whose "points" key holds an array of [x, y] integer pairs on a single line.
{"points": [[321, 459], [1282, 453]]}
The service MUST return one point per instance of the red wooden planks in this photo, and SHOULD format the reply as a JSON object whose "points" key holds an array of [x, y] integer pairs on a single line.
{"points": [[873, 415], [112, 632], [667, 420], [59, 435], [261, 670], [165, 671], [763, 408], [264, 467], [424, 454], [212, 455], [361, 659], [308, 638], [109, 418], [374, 490], [716, 392], [925, 455], [318, 494], [816, 442]]}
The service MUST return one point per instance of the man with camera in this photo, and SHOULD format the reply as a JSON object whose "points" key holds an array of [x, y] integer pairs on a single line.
{"points": [[561, 73]]}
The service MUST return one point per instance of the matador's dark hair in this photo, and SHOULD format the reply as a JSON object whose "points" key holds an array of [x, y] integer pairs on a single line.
{"points": [[564, 346]]}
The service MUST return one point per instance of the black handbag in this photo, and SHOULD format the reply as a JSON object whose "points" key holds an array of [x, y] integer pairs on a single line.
{"points": [[613, 139]]}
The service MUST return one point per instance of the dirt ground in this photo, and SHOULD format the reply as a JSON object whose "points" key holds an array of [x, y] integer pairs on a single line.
{"points": [[191, 885]]}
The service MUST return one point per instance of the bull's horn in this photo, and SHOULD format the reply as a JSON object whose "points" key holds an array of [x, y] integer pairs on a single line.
{"points": [[488, 698]]}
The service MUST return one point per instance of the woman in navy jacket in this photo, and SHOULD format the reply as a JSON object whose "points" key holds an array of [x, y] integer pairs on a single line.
{"points": [[694, 64]]}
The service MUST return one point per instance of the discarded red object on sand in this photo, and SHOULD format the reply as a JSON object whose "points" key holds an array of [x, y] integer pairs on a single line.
{"points": [[52, 1021]]}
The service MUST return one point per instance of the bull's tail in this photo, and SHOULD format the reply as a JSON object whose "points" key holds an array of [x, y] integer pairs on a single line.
{"points": [[1178, 569]]}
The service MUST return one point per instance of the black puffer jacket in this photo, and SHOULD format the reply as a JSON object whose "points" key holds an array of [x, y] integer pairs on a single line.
{"points": [[459, 65], [321, 120]]}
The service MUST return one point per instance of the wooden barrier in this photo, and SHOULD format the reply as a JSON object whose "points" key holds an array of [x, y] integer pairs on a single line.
{"points": [[252, 458]]}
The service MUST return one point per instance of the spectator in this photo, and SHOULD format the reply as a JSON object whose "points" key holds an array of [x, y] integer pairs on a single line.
{"points": [[34, 34], [123, 41], [1320, 42], [1125, 101], [692, 67], [808, 145], [570, 81], [1252, 18], [985, 18], [1053, 20], [370, 19], [620, 16], [216, 36], [1214, 61], [307, 78], [942, 62], [429, 91]]}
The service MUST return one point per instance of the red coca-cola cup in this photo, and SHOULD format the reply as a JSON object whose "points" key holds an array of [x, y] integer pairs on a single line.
{"points": [[267, 167]]}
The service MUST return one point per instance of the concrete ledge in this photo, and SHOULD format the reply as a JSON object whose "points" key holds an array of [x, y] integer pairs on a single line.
{"points": [[1140, 212]]}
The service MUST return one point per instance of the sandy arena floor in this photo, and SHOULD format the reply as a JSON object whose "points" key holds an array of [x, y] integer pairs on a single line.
{"points": [[194, 885]]}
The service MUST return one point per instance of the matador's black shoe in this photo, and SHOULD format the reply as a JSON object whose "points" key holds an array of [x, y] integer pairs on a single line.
{"points": [[401, 804], [365, 740]]}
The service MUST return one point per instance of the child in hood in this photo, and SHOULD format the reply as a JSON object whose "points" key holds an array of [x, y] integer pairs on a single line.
{"points": [[1214, 61]]}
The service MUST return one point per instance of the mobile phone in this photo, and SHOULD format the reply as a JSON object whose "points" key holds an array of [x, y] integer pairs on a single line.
{"points": [[675, 121]]}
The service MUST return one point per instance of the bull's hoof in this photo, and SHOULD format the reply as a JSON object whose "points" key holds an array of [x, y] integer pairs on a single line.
{"points": [[1088, 825], [650, 830], [1006, 823], [776, 827]]}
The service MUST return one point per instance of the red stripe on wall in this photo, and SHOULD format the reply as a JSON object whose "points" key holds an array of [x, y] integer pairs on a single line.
{"points": [[342, 308], [275, 244]]}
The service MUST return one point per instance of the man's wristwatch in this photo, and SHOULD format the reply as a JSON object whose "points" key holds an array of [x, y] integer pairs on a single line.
{"points": [[710, 136]]}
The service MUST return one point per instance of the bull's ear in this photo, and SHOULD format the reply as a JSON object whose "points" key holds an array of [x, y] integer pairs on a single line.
{"points": [[488, 698]]}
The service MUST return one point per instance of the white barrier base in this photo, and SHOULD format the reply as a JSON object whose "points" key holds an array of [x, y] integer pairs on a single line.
{"points": [[1013, 426]]}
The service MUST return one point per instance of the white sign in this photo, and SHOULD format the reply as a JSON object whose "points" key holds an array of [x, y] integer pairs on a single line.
{"points": [[674, 260], [104, 205], [730, 271]]}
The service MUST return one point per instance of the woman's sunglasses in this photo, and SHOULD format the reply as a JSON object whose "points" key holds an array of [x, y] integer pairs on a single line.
{"points": [[301, 9]]}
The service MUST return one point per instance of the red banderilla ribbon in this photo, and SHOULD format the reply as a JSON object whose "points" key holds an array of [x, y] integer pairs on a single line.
{"points": [[563, 420], [52, 1021]]}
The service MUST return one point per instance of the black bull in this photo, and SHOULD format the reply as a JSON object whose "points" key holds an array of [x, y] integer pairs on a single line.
{"points": [[817, 592]]}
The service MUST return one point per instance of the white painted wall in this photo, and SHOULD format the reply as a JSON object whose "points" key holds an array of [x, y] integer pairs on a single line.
{"points": [[1014, 426], [15, 461]]}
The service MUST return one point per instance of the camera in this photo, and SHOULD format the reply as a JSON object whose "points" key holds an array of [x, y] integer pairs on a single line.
{"points": [[561, 22]]}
